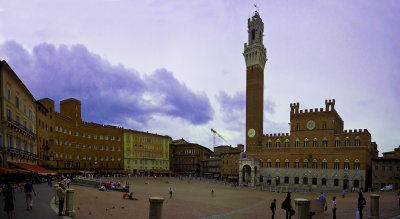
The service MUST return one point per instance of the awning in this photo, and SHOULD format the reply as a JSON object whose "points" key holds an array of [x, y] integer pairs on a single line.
{"points": [[34, 168], [114, 171], [12, 171], [86, 172], [162, 171], [66, 171]]}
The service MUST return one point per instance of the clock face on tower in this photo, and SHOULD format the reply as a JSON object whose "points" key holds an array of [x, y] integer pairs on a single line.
{"points": [[251, 133], [311, 124]]}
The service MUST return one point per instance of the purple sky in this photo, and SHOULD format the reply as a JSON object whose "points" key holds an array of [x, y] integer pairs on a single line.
{"points": [[176, 67]]}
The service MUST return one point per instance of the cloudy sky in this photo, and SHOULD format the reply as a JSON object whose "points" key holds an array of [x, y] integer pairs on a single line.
{"points": [[176, 67]]}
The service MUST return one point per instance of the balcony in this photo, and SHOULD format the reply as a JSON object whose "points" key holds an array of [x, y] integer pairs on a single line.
{"points": [[20, 127], [22, 152]]}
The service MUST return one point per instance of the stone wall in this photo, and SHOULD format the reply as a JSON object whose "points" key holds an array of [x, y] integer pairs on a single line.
{"points": [[329, 174]]}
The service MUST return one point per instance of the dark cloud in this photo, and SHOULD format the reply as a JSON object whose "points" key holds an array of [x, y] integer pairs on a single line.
{"points": [[109, 93], [237, 102], [234, 108]]}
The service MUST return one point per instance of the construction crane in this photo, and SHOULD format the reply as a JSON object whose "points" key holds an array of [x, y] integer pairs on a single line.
{"points": [[216, 133]]}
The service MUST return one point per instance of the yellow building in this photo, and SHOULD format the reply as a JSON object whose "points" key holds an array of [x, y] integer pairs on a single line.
{"points": [[146, 153], [18, 120]]}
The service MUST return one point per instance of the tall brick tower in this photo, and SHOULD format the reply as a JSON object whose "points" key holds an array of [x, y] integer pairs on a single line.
{"points": [[255, 56]]}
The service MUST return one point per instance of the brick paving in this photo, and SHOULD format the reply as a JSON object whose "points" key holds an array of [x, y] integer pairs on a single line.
{"points": [[194, 200], [190, 200]]}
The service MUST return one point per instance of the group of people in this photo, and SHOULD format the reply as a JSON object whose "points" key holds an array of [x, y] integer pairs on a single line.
{"points": [[107, 186], [288, 207]]}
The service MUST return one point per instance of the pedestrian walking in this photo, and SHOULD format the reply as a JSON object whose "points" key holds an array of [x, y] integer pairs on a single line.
{"points": [[9, 199], [212, 192], [61, 191], [322, 200], [170, 193], [28, 188], [287, 206], [343, 193], [361, 204], [68, 182], [273, 208], [334, 207], [49, 181]]}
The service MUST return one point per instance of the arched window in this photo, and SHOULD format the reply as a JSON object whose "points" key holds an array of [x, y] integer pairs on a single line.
{"points": [[357, 164], [324, 164], [269, 163], [314, 181], [337, 142], [278, 143], [337, 164], [306, 143], [336, 182], [347, 142], [297, 143], [357, 142], [346, 164], [296, 163], [296, 180], [356, 183], [314, 164], [315, 142], [324, 142], [286, 180], [305, 163], [253, 34], [323, 182], [269, 144], [286, 163], [305, 181], [277, 163], [287, 143]]}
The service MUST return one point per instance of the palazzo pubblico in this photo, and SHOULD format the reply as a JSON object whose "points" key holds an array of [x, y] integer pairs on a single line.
{"points": [[317, 153]]}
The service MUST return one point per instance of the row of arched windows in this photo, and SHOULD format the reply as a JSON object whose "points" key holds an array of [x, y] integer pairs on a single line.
{"points": [[313, 164], [314, 142]]}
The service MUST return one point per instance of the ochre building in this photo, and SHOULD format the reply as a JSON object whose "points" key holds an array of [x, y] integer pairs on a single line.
{"points": [[317, 154], [18, 120], [146, 153], [229, 163], [83, 146], [386, 170]]}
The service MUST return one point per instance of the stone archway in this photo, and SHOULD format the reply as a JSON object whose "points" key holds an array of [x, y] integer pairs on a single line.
{"points": [[249, 171], [246, 174], [345, 184]]}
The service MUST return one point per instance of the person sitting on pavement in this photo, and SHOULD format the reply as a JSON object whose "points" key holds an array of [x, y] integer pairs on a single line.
{"points": [[130, 196]]}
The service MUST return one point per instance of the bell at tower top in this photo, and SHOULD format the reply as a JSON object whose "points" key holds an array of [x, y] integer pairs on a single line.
{"points": [[254, 50], [255, 30]]}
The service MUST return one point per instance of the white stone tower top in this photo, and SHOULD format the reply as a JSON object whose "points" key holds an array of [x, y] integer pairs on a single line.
{"points": [[255, 52]]}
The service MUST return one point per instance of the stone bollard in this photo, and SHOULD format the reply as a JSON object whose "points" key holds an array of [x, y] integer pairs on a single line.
{"points": [[55, 193], [69, 208], [374, 206], [156, 204], [302, 208]]}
